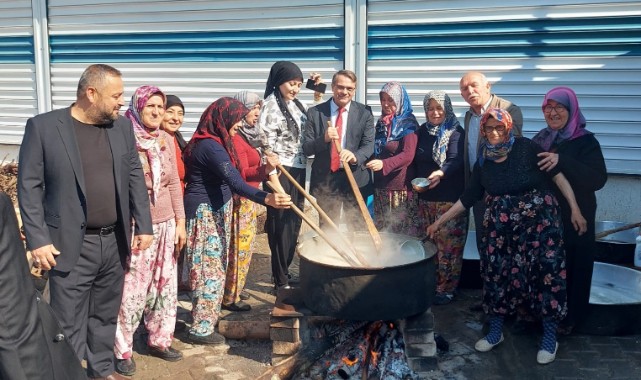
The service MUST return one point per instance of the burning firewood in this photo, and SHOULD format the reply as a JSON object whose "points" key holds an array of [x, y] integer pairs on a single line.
{"points": [[375, 352]]}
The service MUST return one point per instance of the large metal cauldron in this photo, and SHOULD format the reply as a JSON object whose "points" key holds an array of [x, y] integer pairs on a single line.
{"points": [[617, 248], [615, 302], [396, 287]]}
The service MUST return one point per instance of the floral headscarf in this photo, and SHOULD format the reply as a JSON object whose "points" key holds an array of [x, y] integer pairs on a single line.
{"points": [[216, 122], [445, 129], [146, 138], [575, 126], [396, 126], [494, 152]]}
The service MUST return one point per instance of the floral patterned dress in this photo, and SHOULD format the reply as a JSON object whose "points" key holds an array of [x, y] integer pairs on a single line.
{"points": [[522, 254]]}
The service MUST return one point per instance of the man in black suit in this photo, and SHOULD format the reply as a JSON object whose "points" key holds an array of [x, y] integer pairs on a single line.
{"points": [[352, 125], [80, 185], [32, 344]]}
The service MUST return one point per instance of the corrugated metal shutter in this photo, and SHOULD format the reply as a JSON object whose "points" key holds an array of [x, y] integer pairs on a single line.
{"points": [[525, 50], [196, 49], [17, 69]]}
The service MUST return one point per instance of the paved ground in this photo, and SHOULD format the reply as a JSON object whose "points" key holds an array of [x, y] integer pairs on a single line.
{"points": [[579, 356]]}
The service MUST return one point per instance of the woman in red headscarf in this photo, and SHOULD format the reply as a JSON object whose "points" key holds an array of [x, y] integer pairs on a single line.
{"points": [[522, 255], [576, 152], [214, 184]]}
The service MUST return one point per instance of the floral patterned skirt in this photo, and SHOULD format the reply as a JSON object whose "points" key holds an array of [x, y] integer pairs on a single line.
{"points": [[522, 255], [207, 246], [244, 227], [449, 240]]}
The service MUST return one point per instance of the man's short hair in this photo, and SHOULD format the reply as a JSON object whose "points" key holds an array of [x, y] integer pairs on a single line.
{"points": [[95, 76], [346, 73]]}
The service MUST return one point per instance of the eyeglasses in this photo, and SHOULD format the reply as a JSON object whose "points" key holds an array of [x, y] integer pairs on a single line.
{"points": [[343, 88], [498, 128], [558, 108]]}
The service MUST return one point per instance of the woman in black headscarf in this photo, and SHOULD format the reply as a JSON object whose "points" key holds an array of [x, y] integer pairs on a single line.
{"points": [[282, 118]]}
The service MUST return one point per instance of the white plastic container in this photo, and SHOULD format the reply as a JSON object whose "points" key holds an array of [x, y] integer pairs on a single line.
{"points": [[637, 253]]}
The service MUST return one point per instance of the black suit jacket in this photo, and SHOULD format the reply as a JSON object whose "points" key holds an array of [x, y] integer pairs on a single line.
{"points": [[32, 344], [359, 140], [51, 186]]}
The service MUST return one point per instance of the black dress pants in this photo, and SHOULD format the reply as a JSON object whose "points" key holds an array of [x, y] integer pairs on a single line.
{"points": [[87, 301]]}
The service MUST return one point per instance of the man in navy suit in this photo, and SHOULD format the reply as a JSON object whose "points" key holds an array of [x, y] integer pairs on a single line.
{"points": [[80, 187], [352, 125]]}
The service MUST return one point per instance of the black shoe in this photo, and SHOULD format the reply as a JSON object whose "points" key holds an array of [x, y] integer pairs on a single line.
{"points": [[237, 306], [244, 295], [213, 339], [169, 354], [442, 299], [126, 367]]}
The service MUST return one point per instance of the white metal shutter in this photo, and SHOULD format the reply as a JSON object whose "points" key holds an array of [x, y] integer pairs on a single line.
{"points": [[17, 70], [525, 50], [198, 50]]}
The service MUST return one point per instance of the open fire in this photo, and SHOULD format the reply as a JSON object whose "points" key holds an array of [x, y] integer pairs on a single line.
{"points": [[308, 346], [375, 351]]}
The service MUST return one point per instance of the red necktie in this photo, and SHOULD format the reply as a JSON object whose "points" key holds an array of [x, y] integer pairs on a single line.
{"points": [[336, 160]]}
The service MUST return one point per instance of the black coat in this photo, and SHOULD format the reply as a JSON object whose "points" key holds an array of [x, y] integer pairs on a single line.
{"points": [[51, 186], [32, 344]]}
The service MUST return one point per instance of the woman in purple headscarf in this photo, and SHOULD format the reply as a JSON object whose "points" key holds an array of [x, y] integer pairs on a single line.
{"points": [[394, 148], [522, 256], [575, 151], [149, 291]]}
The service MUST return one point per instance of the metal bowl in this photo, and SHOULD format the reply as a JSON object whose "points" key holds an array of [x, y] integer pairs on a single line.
{"points": [[420, 184]]}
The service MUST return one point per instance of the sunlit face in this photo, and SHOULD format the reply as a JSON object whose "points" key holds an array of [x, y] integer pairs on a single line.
{"points": [[435, 113], [494, 131], [556, 115], [343, 90], [153, 113], [106, 101], [252, 117], [475, 90], [173, 119], [290, 89], [388, 106], [234, 128]]}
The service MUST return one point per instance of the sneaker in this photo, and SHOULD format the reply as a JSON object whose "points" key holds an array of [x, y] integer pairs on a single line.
{"points": [[484, 346], [169, 354], [213, 339], [544, 357], [126, 367], [442, 299]]}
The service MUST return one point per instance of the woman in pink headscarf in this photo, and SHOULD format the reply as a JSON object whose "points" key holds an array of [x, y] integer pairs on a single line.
{"points": [[150, 278], [576, 152]]}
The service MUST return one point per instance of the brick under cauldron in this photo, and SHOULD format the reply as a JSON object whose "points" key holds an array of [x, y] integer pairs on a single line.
{"points": [[300, 338]]}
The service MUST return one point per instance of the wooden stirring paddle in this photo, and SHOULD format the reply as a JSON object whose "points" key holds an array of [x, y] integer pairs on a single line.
{"points": [[322, 214], [376, 237], [343, 253]]}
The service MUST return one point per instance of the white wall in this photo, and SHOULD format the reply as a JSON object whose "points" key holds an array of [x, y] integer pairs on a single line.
{"points": [[9, 152]]}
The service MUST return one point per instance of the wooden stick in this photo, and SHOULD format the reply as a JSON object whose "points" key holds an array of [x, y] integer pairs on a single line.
{"points": [[605, 233], [345, 255], [376, 237], [322, 214]]}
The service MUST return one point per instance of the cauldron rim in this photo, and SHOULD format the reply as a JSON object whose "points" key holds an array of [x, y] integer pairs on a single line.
{"points": [[311, 235]]}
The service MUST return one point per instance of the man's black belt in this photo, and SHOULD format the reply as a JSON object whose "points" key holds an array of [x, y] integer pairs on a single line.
{"points": [[102, 231]]}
